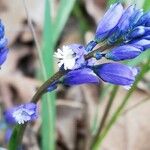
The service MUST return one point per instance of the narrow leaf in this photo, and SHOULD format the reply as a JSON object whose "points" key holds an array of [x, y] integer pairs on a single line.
{"points": [[48, 100], [63, 13]]}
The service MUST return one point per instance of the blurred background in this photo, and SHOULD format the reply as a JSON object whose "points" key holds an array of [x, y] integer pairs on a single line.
{"points": [[79, 108]]}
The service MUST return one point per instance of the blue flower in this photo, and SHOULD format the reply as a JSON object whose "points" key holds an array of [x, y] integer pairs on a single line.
{"points": [[116, 73], [3, 55], [136, 33], [2, 30], [81, 76], [123, 53], [142, 43], [125, 21], [71, 57], [144, 19], [123, 24], [109, 22], [21, 114], [3, 44], [135, 18]]}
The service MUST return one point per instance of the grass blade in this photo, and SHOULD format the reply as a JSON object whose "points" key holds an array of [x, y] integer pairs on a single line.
{"points": [[64, 11], [50, 37], [146, 5], [48, 100]]}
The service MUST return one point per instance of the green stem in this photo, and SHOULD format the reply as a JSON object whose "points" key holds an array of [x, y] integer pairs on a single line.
{"points": [[118, 112], [106, 113]]}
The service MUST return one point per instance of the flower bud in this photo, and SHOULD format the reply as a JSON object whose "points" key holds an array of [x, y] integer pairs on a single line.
{"points": [[123, 53], [142, 43], [144, 19], [81, 76], [116, 73], [109, 22]]}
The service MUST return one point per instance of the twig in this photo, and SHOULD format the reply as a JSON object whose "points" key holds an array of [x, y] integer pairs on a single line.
{"points": [[68, 103], [34, 38], [136, 105]]}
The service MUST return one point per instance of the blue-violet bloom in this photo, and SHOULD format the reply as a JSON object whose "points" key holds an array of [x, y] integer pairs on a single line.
{"points": [[109, 21], [116, 73], [123, 25], [3, 44], [22, 113], [81, 76], [144, 19], [135, 18], [123, 53], [142, 43]]}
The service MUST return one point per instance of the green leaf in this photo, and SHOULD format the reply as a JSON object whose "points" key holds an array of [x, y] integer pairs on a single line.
{"points": [[51, 35], [114, 1], [64, 10], [48, 100], [16, 138], [146, 5]]}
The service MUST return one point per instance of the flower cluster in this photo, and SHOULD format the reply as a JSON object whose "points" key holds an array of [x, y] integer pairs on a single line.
{"points": [[21, 114], [3, 44], [127, 31]]}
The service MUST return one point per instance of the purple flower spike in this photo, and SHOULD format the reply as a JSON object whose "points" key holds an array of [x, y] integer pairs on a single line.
{"points": [[109, 21], [116, 73], [21, 114], [81, 76], [71, 56], [123, 53]]}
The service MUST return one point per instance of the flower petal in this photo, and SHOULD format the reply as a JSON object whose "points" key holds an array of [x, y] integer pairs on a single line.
{"points": [[81, 76]]}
